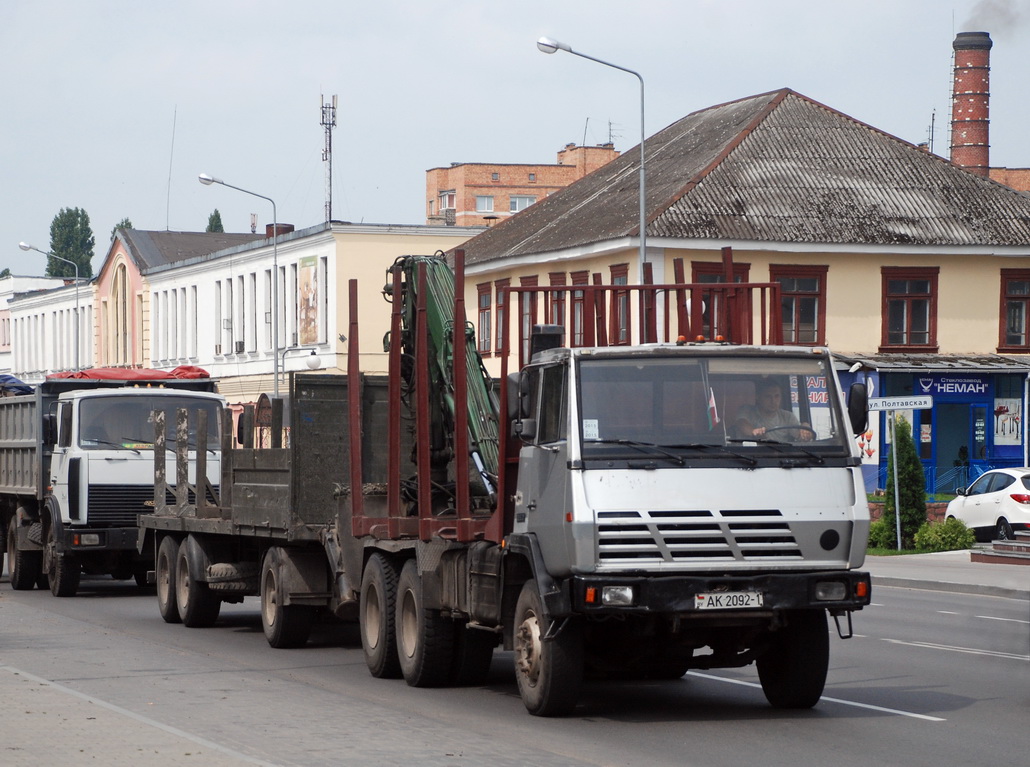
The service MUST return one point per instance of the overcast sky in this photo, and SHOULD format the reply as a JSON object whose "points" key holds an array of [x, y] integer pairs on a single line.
{"points": [[115, 107]]}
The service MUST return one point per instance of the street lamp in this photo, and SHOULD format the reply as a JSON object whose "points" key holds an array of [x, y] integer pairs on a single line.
{"points": [[207, 180], [312, 361], [25, 246], [548, 45]]}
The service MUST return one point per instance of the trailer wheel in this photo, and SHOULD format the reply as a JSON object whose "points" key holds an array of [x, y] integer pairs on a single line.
{"points": [[549, 672], [25, 567], [473, 654], [793, 670], [198, 605], [285, 626], [425, 639], [378, 602], [63, 570], [164, 572]]}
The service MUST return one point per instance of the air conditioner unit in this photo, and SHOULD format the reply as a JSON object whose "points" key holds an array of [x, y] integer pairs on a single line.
{"points": [[218, 348], [240, 347]]}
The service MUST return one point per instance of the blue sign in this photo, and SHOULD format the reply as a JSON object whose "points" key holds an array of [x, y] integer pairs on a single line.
{"points": [[955, 386]]}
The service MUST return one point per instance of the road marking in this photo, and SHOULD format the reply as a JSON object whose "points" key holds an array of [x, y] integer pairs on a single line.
{"points": [[947, 612], [1010, 620], [132, 715], [856, 704], [967, 650]]}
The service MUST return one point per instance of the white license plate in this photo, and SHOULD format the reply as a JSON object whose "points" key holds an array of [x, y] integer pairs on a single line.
{"points": [[728, 600]]}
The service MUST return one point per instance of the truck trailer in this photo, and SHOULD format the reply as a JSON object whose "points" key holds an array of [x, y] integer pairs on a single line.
{"points": [[76, 470], [604, 510]]}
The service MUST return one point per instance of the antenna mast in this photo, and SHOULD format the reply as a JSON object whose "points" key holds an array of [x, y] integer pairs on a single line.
{"points": [[328, 122]]}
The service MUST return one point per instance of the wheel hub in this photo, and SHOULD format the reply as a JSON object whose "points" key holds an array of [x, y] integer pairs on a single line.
{"points": [[528, 647]]}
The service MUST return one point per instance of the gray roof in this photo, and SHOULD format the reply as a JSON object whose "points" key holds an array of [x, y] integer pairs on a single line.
{"points": [[151, 249], [777, 167], [924, 363]]}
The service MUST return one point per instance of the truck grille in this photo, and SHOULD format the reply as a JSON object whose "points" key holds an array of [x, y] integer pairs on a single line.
{"points": [[642, 537], [119, 505]]}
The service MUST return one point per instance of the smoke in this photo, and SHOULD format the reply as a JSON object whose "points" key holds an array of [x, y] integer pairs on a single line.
{"points": [[995, 16]]}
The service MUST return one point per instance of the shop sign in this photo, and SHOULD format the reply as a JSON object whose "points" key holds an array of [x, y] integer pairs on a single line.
{"points": [[967, 387]]}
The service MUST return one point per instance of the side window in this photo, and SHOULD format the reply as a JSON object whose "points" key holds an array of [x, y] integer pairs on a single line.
{"points": [[64, 421], [980, 486], [1000, 482], [552, 426]]}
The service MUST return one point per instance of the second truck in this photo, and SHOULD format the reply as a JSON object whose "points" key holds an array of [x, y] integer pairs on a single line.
{"points": [[603, 512]]}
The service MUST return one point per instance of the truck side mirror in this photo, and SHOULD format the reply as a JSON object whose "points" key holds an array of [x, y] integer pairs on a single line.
{"points": [[49, 429], [525, 429], [858, 407]]}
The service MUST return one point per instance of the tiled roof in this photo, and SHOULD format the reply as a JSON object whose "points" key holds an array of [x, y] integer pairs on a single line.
{"points": [[777, 167], [915, 363], [150, 249]]}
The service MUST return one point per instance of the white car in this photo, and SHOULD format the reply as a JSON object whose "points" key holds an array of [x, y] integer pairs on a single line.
{"points": [[995, 505]]}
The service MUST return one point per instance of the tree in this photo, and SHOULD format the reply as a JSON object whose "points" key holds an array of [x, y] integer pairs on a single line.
{"points": [[71, 238], [5, 273], [214, 222], [123, 224], [911, 485]]}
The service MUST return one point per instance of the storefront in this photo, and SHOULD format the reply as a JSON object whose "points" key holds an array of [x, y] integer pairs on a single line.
{"points": [[976, 422]]}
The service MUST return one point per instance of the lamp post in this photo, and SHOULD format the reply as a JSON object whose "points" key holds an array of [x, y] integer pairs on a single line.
{"points": [[548, 45], [312, 361], [207, 180], [25, 246]]}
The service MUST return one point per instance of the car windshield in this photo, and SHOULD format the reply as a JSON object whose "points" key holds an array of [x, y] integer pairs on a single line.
{"points": [[120, 422], [719, 406]]}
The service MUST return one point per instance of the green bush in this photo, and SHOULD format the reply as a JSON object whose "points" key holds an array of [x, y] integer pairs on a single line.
{"points": [[882, 535], [950, 535], [911, 486]]}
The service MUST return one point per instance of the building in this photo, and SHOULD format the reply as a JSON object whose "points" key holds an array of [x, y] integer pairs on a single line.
{"points": [[479, 194], [916, 272], [37, 322]]}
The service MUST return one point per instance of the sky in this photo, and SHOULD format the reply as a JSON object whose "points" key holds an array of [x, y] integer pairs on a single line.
{"points": [[116, 106]]}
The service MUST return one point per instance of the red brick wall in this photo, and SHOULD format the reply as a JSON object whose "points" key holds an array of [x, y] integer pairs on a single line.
{"points": [[934, 511]]}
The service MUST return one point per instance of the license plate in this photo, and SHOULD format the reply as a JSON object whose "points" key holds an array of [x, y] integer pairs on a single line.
{"points": [[728, 600]]}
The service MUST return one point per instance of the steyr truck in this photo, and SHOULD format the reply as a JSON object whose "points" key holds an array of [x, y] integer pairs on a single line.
{"points": [[76, 471], [606, 512]]}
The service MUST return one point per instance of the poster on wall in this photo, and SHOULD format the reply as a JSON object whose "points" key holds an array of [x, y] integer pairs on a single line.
{"points": [[307, 301], [1008, 421]]}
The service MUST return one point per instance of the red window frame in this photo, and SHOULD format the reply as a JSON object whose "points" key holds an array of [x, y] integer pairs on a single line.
{"points": [[499, 315], [527, 315], [909, 302], [484, 300], [620, 332], [1012, 298], [577, 318], [790, 300], [556, 300]]}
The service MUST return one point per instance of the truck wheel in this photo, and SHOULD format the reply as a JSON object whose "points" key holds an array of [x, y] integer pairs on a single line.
{"points": [[164, 572], [63, 570], [473, 654], [198, 606], [25, 567], [549, 673], [425, 639], [793, 670], [378, 602], [284, 625]]}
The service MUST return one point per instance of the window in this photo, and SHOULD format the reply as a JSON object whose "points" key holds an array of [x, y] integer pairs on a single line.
{"points": [[1015, 310], [520, 202], [484, 203], [502, 308], [578, 336], [620, 325], [556, 301], [483, 327], [713, 313], [909, 315], [802, 302], [495, 176], [447, 200], [532, 177], [527, 316]]}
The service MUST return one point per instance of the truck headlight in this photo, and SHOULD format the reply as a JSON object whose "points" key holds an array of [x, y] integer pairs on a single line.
{"points": [[830, 591], [617, 596], [86, 539]]}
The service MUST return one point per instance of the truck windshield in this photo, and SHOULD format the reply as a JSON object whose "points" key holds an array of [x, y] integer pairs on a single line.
{"points": [[716, 406], [127, 423]]}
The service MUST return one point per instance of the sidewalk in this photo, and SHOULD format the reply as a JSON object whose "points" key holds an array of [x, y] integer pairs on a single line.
{"points": [[950, 571]]}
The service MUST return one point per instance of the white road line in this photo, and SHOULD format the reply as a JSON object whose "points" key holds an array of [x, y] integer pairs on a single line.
{"points": [[947, 612], [828, 700], [967, 650], [1010, 620], [132, 715]]}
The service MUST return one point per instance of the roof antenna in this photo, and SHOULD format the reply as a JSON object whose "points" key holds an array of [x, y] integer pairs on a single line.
{"points": [[171, 154]]}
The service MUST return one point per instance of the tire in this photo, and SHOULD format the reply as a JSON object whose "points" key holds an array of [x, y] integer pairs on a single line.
{"points": [[139, 575], [549, 673], [376, 617], [473, 654], [63, 570], [793, 670], [1003, 531], [198, 606], [425, 639], [164, 571], [285, 626], [25, 567]]}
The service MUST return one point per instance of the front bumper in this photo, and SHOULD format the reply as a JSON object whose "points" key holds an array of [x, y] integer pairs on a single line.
{"points": [[74, 539], [676, 594]]}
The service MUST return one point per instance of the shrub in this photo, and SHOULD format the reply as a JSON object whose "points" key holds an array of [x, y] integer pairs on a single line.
{"points": [[882, 535], [911, 485], [950, 535]]}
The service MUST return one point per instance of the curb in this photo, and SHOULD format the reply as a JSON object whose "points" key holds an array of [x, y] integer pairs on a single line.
{"points": [[956, 588]]}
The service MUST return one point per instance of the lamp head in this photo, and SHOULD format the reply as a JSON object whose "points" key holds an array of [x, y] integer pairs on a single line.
{"points": [[314, 362], [207, 180], [550, 45], [24, 246]]}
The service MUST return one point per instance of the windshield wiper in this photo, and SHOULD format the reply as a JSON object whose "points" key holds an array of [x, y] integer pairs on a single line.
{"points": [[118, 445], [818, 460], [722, 448], [641, 446]]}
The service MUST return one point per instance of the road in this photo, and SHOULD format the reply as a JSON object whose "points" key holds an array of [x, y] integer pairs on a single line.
{"points": [[929, 679]]}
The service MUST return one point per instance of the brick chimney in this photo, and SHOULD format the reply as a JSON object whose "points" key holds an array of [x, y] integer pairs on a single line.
{"points": [[970, 148]]}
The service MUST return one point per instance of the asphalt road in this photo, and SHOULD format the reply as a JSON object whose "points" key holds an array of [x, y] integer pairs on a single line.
{"points": [[929, 679]]}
